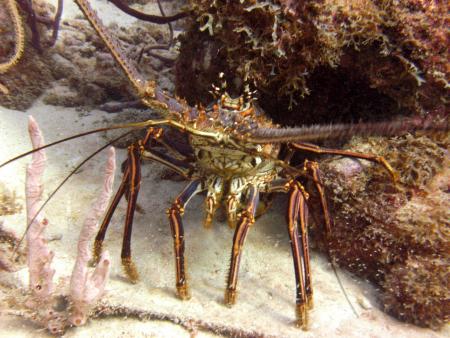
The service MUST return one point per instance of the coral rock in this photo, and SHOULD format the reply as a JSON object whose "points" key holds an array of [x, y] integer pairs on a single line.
{"points": [[396, 236]]}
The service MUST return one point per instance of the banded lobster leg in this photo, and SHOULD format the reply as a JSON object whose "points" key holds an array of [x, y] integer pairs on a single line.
{"points": [[176, 225], [297, 214], [297, 226], [129, 187], [246, 219], [369, 157], [313, 168]]}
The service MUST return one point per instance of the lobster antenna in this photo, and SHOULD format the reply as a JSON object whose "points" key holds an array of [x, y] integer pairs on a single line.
{"points": [[138, 125], [338, 131], [63, 182]]}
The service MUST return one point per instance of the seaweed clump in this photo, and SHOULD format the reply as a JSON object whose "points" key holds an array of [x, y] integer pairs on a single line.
{"points": [[395, 236], [396, 50]]}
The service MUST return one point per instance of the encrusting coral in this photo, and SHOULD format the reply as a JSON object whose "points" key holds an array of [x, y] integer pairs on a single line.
{"points": [[88, 73], [417, 290], [395, 235], [302, 51]]}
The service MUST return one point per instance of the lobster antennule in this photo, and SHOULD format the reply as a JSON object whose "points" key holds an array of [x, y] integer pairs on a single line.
{"points": [[340, 131]]}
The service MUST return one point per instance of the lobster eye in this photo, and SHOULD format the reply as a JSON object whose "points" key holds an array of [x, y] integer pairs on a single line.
{"points": [[201, 154], [255, 161]]}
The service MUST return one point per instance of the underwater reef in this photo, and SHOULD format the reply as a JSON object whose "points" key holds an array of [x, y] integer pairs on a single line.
{"points": [[77, 70], [345, 61], [395, 235], [85, 71], [321, 56], [311, 62]]}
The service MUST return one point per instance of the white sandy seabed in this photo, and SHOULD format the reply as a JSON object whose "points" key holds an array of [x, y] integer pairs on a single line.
{"points": [[266, 280]]}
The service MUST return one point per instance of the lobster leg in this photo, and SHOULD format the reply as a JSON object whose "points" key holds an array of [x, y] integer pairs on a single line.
{"points": [[247, 218], [313, 168], [98, 244], [369, 157], [132, 190], [129, 186], [176, 225], [297, 213], [134, 166]]}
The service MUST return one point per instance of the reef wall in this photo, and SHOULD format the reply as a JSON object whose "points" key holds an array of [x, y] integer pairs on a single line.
{"points": [[396, 235], [321, 58]]}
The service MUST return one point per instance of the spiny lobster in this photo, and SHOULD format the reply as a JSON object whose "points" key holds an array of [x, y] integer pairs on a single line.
{"points": [[234, 155]]}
